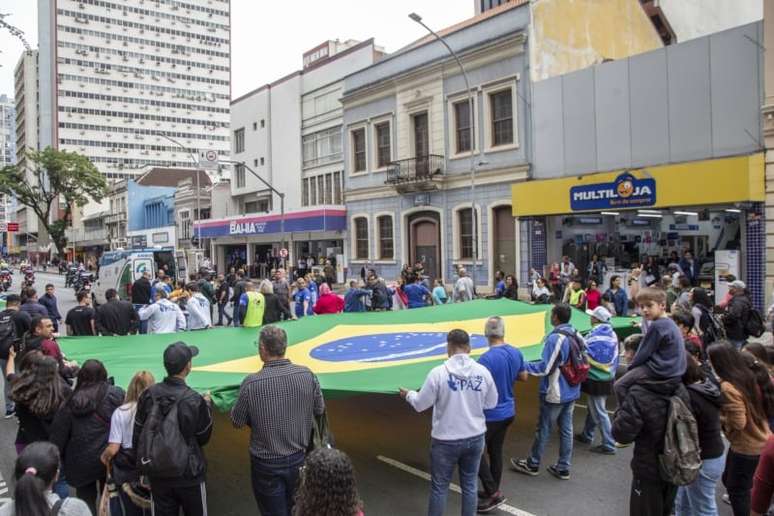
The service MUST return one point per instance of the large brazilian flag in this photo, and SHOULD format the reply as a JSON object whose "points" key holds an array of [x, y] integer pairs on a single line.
{"points": [[373, 352]]}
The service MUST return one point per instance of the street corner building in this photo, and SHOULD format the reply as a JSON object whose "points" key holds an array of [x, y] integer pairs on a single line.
{"points": [[651, 156]]}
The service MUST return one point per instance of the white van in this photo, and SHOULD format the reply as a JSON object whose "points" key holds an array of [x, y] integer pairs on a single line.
{"points": [[119, 269]]}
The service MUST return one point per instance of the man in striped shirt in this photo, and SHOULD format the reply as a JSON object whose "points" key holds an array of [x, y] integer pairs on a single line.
{"points": [[278, 403]]}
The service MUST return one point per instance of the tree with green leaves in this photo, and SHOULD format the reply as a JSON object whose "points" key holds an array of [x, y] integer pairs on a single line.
{"points": [[56, 174]]}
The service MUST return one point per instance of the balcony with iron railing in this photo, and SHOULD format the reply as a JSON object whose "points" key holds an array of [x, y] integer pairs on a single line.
{"points": [[420, 174]]}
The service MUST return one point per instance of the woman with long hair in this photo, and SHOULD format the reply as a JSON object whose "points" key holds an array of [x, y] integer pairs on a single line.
{"points": [[81, 429], [511, 288], [37, 468], [38, 391], [748, 402], [328, 486], [118, 454]]}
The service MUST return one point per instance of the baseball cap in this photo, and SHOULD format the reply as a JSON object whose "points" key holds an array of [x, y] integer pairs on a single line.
{"points": [[738, 284], [600, 313], [177, 355]]}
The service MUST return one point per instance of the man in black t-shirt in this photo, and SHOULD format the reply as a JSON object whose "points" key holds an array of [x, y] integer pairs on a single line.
{"points": [[80, 320]]}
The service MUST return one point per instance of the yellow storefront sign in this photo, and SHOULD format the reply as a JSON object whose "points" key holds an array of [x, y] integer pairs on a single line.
{"points": [[716, 181]]}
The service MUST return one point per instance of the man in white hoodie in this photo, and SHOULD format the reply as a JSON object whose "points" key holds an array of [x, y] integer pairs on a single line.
{"points": [[198, 309], [459, 391], [163, 316]]}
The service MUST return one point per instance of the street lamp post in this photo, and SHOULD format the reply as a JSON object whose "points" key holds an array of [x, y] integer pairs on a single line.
{"points": [[198, 198], [270, 187], [474, 217]]}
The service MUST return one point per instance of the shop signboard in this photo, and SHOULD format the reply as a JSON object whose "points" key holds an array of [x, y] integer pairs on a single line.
{"points": [[626, 191]]}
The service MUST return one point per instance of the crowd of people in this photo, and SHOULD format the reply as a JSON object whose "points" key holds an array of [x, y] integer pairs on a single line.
{"points": [[688, 382], [141, 452]]}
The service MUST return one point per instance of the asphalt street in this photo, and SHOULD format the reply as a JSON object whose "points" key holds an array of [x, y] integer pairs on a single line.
{"points": [[389, 445]]}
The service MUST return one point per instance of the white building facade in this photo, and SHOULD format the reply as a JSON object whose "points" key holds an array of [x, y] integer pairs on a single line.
{"points": [[27, 139], [289, 133]]}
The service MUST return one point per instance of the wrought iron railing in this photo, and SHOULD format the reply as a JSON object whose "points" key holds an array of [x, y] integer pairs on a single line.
{"points": [[419, 169]]}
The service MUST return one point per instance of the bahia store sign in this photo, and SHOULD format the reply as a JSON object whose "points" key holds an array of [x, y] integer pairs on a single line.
{"points": [[625, 192]]}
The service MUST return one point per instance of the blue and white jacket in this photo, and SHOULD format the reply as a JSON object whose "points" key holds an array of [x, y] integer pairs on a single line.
{"points": [[556, 349]]}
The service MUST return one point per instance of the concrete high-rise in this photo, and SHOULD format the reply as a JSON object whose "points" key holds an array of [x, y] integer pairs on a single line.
{"points": [[116, 75], [7, 145]]}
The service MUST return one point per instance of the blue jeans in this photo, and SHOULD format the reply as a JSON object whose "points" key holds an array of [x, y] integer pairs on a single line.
{"points": [[698, 498], [597, 417], [9, 405], [143, 329], [222, 313], [237, 315], [561, 413], [738, 344], [444, 457], [275, 483]]}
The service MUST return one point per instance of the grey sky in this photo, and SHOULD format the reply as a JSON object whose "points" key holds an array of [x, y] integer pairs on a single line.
{"points": [[269, 37]]}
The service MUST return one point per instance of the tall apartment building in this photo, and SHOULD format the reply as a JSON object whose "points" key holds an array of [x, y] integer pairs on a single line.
{"points": [[7, 147], [117, 75], [27, 138]]}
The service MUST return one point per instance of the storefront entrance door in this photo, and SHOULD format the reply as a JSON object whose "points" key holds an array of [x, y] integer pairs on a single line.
{"points": [[504, 233]]}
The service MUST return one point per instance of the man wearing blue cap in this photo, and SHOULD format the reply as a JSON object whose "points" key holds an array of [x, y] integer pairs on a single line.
{"points": [[171, 456]]}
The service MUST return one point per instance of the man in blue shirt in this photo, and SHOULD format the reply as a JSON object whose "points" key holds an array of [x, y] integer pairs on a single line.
{"points": [[303, 299], [557, 397], [499, 284], [416, 293], [353, 299], [506, 364]]}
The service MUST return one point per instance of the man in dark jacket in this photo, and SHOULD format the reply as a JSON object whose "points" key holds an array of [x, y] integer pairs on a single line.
{"points": [[737, 313], [49, 302], [116, 317], [141, 290], [642, 419], [141, 297], [206, 288], [13, 324], [239, 289], [31, 304], [194, 414]]}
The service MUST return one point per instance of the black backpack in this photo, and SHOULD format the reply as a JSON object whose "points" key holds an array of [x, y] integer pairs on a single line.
{"points": [[162, 451], [754, 325], [711, 328], [7, 334]]}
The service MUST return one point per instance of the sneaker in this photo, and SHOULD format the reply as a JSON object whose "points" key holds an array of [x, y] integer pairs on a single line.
{"points": [[10, 414], [523, 466], [582, 439], [491, 503], [726, 499], [622, 445], [558, 473], [604, 450]]}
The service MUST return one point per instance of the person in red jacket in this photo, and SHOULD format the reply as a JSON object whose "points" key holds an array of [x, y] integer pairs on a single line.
{"points": [[328, 302]]}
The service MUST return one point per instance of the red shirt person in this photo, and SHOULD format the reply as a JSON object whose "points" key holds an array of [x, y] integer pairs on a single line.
{"points": [[328, 302]]}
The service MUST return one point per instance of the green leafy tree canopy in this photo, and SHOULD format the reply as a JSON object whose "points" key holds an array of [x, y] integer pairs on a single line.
{"points": [[55, 174]]}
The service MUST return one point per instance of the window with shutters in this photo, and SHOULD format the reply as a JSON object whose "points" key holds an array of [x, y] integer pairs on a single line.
{"points": [[361, 238], [358, 150], [385, 238]]}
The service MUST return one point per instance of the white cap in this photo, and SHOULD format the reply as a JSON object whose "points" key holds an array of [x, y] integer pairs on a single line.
{"points": [[738, 284], [600, 313]]}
